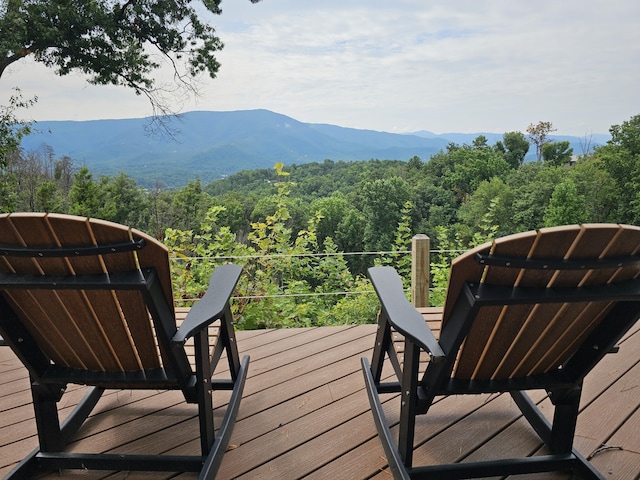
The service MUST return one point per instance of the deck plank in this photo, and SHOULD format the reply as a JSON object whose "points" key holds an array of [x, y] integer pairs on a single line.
{"points": [[621, 458], [305, 414]]}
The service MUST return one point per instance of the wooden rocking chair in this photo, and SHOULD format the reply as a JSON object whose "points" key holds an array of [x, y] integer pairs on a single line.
{"points": [[89, 302], [536, 310]]}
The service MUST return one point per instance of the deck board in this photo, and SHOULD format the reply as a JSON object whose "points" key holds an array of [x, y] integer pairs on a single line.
{"points": [[305, 414]]}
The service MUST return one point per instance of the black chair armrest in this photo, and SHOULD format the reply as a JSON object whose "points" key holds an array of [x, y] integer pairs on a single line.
{"points": [[213, 304], [401, 314]]}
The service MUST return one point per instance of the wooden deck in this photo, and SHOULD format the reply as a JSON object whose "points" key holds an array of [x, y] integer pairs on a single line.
{"points": [[305, 414]]}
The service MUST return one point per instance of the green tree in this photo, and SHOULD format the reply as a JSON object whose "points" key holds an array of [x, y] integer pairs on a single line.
{"points": [[349, 237], [11, 128], [48, 198], [473, 165], [449, 246], [383, 202], [30, 172], [195, 256], [557, 153], [480, 142], [516, 147], [283, 265], [493, 195], [63, 177], [237, 210], [531, 187], [189, 206], [361, 307], [297, 211], [401, 244], [621, 159], [566, 206], [125, 202], [11, 132], [285, 282], [539, 135], [160, 210], [435, 205], [8, 187], [626, 136], [595, 185], [86, 196], [441, 165], [332, 211], [112, 41], [415, 163]]}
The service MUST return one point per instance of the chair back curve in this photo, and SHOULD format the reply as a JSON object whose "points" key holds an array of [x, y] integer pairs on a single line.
{"points": [[527, 338], [87, 329]]}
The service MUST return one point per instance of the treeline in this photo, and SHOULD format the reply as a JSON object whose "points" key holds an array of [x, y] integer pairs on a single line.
{"points": [[460, 197], [459, 189], [360, 203]]}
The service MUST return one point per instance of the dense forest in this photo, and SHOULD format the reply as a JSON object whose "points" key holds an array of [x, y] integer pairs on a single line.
{"points": [[280, 222]]}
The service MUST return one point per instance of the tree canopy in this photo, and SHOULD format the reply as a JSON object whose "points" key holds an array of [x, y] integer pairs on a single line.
{"points": [[538, 134], [113, 42], [11, 129]]}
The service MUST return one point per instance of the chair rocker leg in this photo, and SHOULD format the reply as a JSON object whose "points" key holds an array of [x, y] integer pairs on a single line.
{"points": [[545, 431], [216, 453], [53, 438], [26, 469], [391, 451]]}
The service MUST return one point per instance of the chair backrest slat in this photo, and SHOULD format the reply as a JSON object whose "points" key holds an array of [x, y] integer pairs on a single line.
{"points": [[131, 304], [519, 340], [553, 243], [490, 327], [571, 321], [60, 319], [544, 320], [104, 304]]}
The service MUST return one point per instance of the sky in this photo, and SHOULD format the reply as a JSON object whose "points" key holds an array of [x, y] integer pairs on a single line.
{"points": [[396, 66]]}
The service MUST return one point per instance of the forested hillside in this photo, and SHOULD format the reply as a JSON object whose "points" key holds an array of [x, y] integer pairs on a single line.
{"points": [[213, 145], [460, 196]]}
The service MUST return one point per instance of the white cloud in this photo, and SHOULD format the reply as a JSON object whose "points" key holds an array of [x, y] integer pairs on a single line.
{"points": [[469, 65]]}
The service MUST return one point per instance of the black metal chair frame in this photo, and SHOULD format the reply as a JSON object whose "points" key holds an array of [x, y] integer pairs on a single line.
{"points": [[563, 385], [49, 381]]}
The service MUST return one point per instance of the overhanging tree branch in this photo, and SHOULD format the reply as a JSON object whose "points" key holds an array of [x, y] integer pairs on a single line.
{"points": [[108, 40]]}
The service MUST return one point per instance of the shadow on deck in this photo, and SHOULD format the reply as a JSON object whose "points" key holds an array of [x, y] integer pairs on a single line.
{"points": [[305, 414]]}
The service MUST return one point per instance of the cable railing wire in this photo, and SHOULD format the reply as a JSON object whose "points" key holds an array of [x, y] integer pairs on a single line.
{"points": [[298, 255], [282, 255]]}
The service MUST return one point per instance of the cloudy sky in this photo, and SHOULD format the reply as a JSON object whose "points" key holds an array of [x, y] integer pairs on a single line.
{"points": [[399, 66]]}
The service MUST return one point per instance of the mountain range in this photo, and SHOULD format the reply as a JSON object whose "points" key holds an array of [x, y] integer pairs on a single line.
{"points": [[211, 145]]}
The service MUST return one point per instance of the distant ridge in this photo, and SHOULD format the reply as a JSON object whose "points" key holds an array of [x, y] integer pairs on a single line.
{"points": [[211, 145]]}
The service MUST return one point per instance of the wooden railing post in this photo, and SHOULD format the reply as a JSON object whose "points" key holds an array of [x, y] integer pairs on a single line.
{"points": [[420, 261]]}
